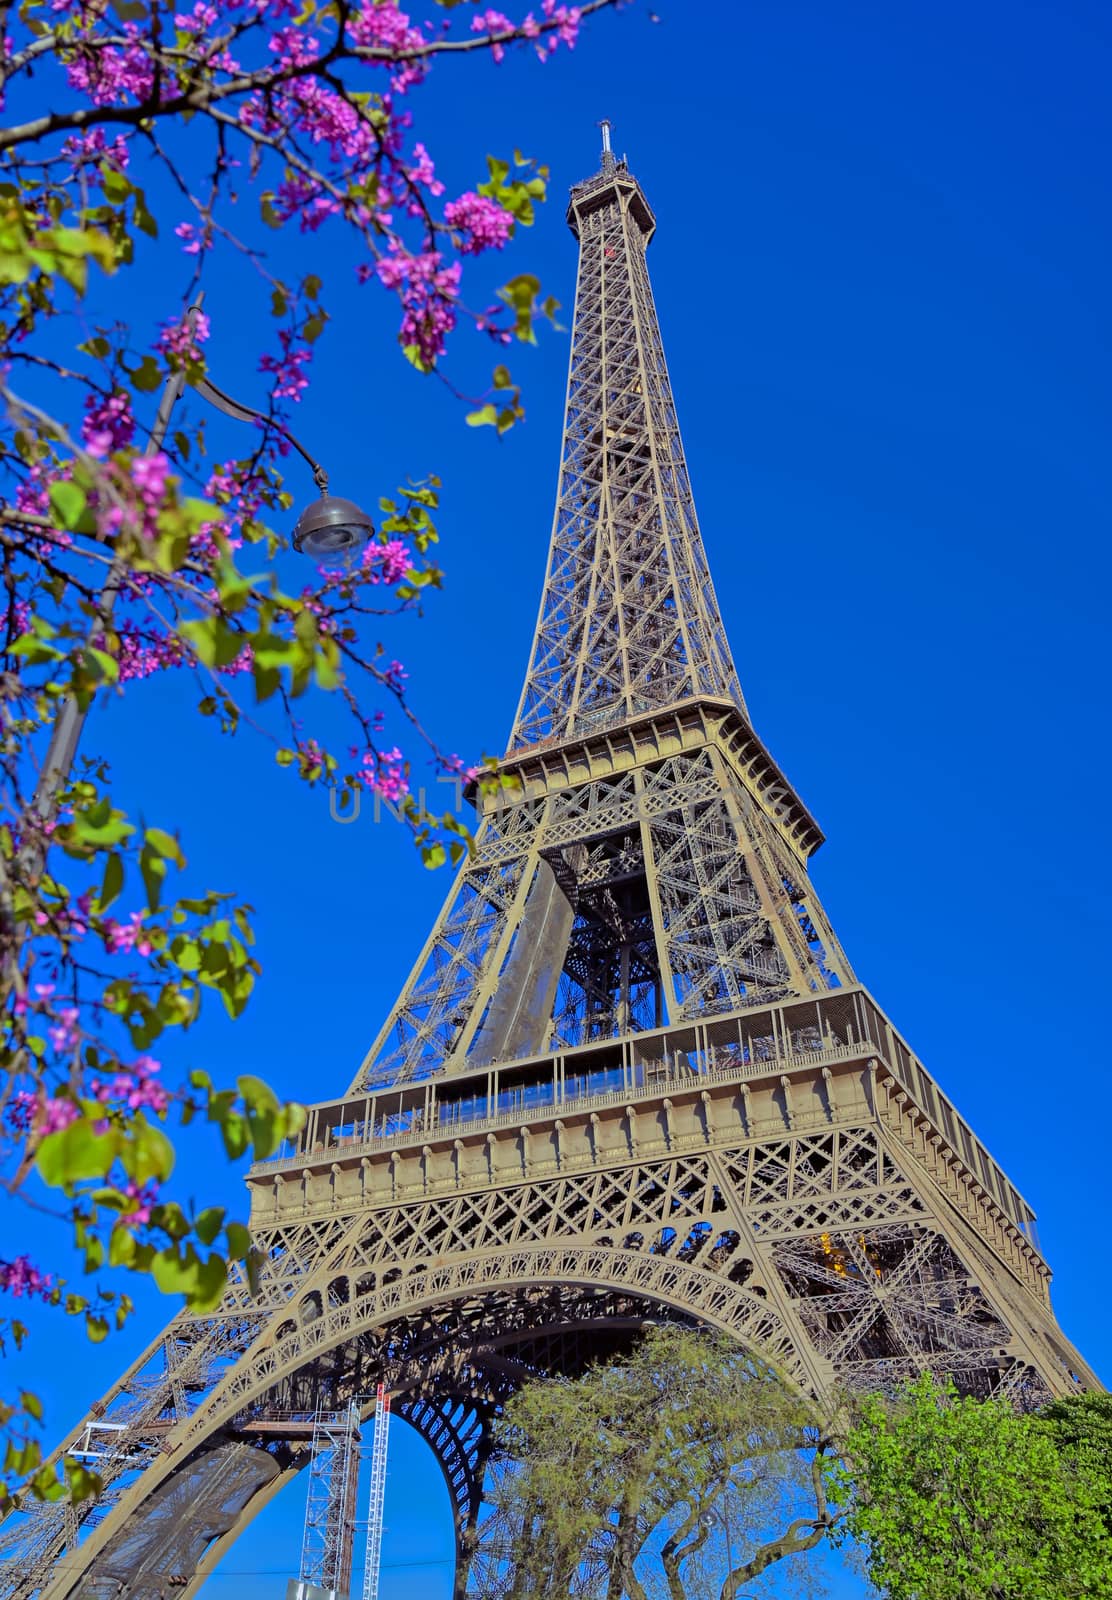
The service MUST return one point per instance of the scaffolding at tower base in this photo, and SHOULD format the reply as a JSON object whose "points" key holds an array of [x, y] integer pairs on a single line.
{"points": [[372, 1563], [330, 1522], [326, 1546]]}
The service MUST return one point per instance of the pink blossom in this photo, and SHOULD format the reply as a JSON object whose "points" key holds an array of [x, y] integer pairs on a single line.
{"points": [[63, 1035], [387, 563], [382, 773], [290, 381], [178, 341], [55, 1112], [423, 172], [196, 21], [382, 26], [567, 19], [108, 425], [491, 21], [149, 474], [482, 222], [17, 619], [93, 146], [145, 1198], [112, 75], [135, 1088], [20, 1277], [193, 239], [42, 1112], [139, 656], [21, 1110], [124, 937], [427, 289]]}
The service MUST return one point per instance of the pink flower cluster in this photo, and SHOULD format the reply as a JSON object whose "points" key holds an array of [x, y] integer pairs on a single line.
{"points": [[42, 1112], [491, 21], [422, 175], [20, 1277], [482, 223], [382, 26], [180, 342], [63, 1034], [383, 774], [108, 425], [287, 371], [196, 21], [427, 289], [454, 764], [193, 239], [145, 1199], [17, 618], [81, 148], [110, 74], [123, 937], [387, 563], [136, 1088], [140, 656], [566, 30]]}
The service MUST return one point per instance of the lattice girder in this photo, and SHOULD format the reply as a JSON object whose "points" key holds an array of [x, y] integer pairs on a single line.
{"points": [[804, 1223], [685, 834]]}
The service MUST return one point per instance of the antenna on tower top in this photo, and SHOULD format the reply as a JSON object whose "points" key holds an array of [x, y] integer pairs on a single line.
{"points": [[607, 153]]}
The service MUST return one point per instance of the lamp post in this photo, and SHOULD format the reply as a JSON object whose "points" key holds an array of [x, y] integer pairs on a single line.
{"points": [[329, 529]]}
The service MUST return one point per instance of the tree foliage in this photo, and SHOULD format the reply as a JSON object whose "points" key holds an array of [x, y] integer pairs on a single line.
{"points": [[963, 1499], [685, 1469], [139, 134]]}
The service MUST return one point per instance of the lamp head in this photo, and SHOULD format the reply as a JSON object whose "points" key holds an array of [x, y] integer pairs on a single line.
{"points": [[332, 531]]}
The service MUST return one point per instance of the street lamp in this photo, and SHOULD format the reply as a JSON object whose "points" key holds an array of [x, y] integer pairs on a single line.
{"points": [[330, 531]]}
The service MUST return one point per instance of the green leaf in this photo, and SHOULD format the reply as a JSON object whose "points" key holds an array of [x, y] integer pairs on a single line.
{"points": [[164, 844], [148, 1153], [179, 1270], [239, 1241], [485, 416], [82, 1483], [207, 1224], [113, 883], [76, 1152], [69, 501], [147, 375], [215, 643]]}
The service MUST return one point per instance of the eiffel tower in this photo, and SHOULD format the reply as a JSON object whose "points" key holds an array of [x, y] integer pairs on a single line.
{"points": [[632, 1076]]}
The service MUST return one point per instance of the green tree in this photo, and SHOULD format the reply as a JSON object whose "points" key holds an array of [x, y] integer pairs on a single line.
{"points": [[962, 1499], [684, 1469], [1081, 1427]]}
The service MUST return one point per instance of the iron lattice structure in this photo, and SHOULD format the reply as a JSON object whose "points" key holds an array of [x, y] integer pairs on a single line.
{"points": [[631, 1076], [330, 1510]]}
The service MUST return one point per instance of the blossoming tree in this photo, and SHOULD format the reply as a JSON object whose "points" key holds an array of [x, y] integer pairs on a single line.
{"points": [[127, 553]]}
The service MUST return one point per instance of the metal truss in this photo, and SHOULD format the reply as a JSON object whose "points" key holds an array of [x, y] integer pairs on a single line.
{"points": [[628, 619], [330, 1507], [372, 1562], [631, 1077]]}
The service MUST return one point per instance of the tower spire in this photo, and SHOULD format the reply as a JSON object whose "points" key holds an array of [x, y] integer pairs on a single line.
{"points": [[607, 154], [628, 619]]}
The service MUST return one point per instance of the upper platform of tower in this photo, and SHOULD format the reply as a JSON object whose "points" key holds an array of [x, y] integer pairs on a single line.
{"points": [[613, 184], [628, 620]]}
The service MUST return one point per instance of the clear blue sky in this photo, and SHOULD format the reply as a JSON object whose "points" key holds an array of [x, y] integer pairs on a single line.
{"points": [[881, 270]]}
